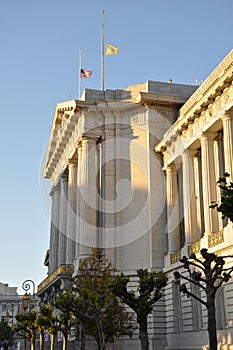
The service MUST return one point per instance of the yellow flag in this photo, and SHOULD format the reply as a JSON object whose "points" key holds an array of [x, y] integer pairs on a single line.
{"points": [[111, 50]]}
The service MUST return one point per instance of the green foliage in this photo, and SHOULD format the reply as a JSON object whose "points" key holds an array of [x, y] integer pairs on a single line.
{"points": [[26, 324], [226, 205], [48, 319], [64, 303], [208, 274], [143, 299], [96, 306], [5, 331], [148, 292]]}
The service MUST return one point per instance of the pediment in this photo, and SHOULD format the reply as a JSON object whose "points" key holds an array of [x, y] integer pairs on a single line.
{"points": [[66, 116]]}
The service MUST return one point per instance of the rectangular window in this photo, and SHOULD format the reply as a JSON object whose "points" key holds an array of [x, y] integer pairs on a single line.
{"points": [[177, 307]]}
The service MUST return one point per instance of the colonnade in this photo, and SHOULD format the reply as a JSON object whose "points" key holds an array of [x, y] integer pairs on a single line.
{"points": [[74, 213], [200, 169]]}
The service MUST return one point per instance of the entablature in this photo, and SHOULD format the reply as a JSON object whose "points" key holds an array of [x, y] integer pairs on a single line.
{"points": [[204, 108], [66, 117], [152, 99]]}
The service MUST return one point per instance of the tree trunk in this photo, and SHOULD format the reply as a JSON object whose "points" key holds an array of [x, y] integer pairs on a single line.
{"points": [[41, 340], [100, 335], [65, 341], [25, 343], [213, 343], [143, 334], [33, 342], [83, 336], [52, 342]]}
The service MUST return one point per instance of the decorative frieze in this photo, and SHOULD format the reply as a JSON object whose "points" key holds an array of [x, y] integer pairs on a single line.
{"points": [[194, 248], [62, 270], [218, 75], [188, 127], [215, 238], [175, 257]]}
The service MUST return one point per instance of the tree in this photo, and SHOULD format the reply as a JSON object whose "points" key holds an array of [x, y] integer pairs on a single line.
{"points": [[100, 311], [46, 320], [26, 324], [5, 332], [226, 205], [64, 303], [53, 324], [209, 275], [143, 299]]}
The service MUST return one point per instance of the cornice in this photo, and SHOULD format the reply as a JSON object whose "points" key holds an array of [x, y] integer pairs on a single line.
{"points": [[210, 99], [145, 98], [65, 118]]}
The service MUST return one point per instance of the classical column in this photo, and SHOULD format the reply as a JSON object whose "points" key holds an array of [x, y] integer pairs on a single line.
{"points": [[198, 193], [62, 220], [173, 227], [227, 121], [219, 170], [77, 226], [209, 181], [189, 197], [87, 194], [54, 230], [71, 210]]}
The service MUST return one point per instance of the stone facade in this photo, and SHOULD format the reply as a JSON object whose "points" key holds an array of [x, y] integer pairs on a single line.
{"points": [[134, 171]]}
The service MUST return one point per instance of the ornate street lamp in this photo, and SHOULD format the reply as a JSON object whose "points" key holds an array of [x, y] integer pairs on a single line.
{"points": [[27, 301], [8, 307]]}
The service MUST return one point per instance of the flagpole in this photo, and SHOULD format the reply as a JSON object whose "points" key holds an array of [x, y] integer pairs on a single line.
{"points": [[102, 84], [80, 67]]}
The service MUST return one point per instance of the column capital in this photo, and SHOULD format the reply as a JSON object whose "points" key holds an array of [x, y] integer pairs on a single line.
{"points": [[54, 189], [73, 162], [208, 135], [64, 177], [227, 115], [78, 144], [170, 167], [189, 153], [89, 138]]}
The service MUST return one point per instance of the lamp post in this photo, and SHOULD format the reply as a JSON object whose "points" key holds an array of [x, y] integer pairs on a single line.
{"points": [[9, 307], [8, 320], [27, 301]]}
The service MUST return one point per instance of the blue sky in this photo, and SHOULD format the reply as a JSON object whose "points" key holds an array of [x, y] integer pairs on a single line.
{"points": [[40, 41]]}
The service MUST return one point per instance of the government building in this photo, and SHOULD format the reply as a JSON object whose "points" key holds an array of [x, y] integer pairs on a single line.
{"points": [[134, 172]]}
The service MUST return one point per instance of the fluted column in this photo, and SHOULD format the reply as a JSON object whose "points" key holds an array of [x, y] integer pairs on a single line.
{"points": [[54, 231], [227, 121], [189, 197], [71, 210], [173, 228], [62, 220], [209, 181], [78, 200], [87, 197], [198, 193]]}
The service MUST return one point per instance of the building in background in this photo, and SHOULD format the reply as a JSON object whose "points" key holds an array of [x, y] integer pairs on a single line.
{"points": [[134, 171], [11, 304]]}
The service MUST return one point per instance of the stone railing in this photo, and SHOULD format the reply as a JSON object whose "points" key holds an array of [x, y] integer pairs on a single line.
{"points": [[62, 270]]}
